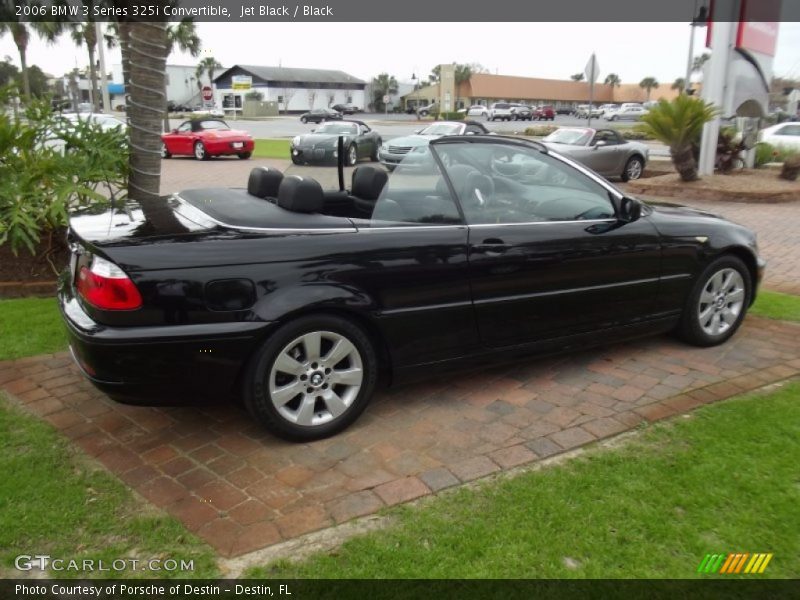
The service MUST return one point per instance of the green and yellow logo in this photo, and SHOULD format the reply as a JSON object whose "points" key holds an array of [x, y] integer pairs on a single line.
{"points": [[735, 562]]}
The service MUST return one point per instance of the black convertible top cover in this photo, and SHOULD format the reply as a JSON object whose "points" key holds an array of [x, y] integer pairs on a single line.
{"points": [[237, 208]]}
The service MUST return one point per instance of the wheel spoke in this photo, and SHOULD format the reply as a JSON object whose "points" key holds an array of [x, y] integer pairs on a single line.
{"points": [[286, 364], [305, 414], [706, 297], [704, 315], [716, 282], [340, 350], [334, 402], [284, 394], [736, 295], [727, 277], [311, 345], [715, 324], [353, 376]]}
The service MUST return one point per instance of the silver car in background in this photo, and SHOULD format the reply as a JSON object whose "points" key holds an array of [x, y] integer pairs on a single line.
{"points": [[602, 150]]}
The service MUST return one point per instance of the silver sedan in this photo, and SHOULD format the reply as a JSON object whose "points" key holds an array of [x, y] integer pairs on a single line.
{"points": [[602, 150]]}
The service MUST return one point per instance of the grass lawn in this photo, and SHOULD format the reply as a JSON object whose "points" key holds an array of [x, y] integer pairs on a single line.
{"points": [[52, 501], [775, 305], [723, 480], [271, 149], [30, 326]]}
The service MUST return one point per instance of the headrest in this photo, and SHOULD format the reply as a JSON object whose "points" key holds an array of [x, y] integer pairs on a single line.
{"points": [[264, 182], [368, 182], [300, 194], [477, 189]]}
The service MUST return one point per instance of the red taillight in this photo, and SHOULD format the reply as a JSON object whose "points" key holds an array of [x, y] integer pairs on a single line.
{"points": [[107, 287]]}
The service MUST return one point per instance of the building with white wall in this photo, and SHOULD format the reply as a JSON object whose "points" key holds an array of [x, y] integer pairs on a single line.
{"points": [[182, 83], [294, 90]]}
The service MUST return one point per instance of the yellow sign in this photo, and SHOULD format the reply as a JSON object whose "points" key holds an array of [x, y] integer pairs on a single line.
{"points": [[241, 82]]}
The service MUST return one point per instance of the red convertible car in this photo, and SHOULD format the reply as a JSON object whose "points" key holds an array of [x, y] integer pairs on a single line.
{"points": [[204, 138]]}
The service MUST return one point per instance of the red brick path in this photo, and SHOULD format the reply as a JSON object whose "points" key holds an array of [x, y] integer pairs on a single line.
{"points": [[242, 489]]}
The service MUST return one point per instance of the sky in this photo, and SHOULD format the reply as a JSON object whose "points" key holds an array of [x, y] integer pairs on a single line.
{"points": [[548, 50]]}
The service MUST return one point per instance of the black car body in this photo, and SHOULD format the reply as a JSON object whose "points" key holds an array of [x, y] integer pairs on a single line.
{"points": [[345, 109], [321, 145], [319, 115], [296, 299]]}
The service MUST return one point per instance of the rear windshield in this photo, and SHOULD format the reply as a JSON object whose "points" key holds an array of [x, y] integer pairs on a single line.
{"points": [[213, 125]]}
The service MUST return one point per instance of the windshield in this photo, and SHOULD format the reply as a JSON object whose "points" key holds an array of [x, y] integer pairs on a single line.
{"points": [[219, 125], [346, 128], [441, 129], [575, 137]]}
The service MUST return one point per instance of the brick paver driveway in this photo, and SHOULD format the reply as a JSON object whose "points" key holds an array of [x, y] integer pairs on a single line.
{"points": [[241, 489], [777, 225]]}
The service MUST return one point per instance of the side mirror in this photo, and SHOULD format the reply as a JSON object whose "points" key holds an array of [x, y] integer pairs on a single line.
{"points": [[174, 131], [629, 209], [600, 144]]}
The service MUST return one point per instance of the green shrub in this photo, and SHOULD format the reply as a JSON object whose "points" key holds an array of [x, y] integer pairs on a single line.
{"points": [[635, 134], [451, 116], [539, 130], [50, 166]]}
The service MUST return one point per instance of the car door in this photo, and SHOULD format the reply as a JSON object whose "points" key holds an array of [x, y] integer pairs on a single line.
{"points": [[605, 152], [547, 256], [365, 141], [176, 140]]}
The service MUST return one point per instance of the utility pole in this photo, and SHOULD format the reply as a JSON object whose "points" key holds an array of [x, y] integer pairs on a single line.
{"points": [[101, 55]]}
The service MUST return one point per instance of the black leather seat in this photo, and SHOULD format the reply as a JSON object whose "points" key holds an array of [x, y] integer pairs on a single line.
{"points": [[300, 194], [264, 182], [368, 183]]}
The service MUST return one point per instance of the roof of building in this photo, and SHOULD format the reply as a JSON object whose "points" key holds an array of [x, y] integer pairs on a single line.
{"points": [[486, 85], [293, 74]]}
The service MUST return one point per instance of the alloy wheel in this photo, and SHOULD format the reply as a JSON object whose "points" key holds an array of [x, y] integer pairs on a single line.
{"points": [[721, 301], [634, 169], [316, 378], [199, 151]]}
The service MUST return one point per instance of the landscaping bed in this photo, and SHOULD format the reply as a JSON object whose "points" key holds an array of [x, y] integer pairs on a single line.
{"points": [[26, 274], [742, 186]]}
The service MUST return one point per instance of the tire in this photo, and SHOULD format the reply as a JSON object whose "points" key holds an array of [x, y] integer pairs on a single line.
{"points": [[713, 322], [303, 120], [423, 113], [351, 158], [200, 151], [374, 156], [164, 152], [633, 169], [613, 118], [245, 155], [296, 160], [318, 409]]}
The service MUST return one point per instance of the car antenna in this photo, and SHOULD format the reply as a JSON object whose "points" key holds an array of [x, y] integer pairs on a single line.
{"points": [[340, 161]]}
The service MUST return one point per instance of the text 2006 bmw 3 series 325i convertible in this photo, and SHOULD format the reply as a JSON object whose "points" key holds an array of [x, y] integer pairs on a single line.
{"points": [[298, 299]]}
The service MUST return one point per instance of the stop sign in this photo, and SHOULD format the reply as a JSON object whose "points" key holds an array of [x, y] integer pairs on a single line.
{"points": [[208, 93]]}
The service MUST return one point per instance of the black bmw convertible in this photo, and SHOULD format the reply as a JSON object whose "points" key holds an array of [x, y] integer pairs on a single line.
{"points": [[299, 300]]}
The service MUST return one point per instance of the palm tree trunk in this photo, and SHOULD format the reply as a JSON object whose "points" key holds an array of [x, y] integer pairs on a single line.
{"points": [[20, 34], [685, 163], [93, 77]]}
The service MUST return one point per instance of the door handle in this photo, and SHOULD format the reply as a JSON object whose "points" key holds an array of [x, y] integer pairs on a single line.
{"points": [[492, 246]]}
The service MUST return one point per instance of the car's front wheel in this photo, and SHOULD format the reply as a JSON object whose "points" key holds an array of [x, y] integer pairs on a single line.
{"points": [[200, 151], [633, 169], [374, 156], [718, 302], [303, 120], [312, 378]]}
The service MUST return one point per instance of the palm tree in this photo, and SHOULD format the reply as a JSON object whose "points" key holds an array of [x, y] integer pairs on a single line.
{"points": [[382, 85], [576, 77], [613, 80], [699, 61], [184, 36], [208, 65], [679, 124], [648, 84], [21, 33], [85, 32], [679, 84]]}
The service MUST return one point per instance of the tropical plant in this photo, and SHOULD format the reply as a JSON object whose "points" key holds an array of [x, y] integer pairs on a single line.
{"points": [[21, 33], [577, 77], [383, 84], [613, 80], [50, 166], [209, 66], [463, 72], [699, 61], [648, 84], [183, 35], [679, 124], [679, 84]]}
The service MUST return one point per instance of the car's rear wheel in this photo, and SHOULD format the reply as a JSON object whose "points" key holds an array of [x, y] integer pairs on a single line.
{"points": [[633, 169], [245, 155], [164, 152], [312, 378], [718, 302], [200, 151], [303, 120], [374, 156], [352, 155]]}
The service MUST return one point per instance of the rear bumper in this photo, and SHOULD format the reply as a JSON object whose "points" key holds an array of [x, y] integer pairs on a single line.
{"points": [[160, 365]]}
